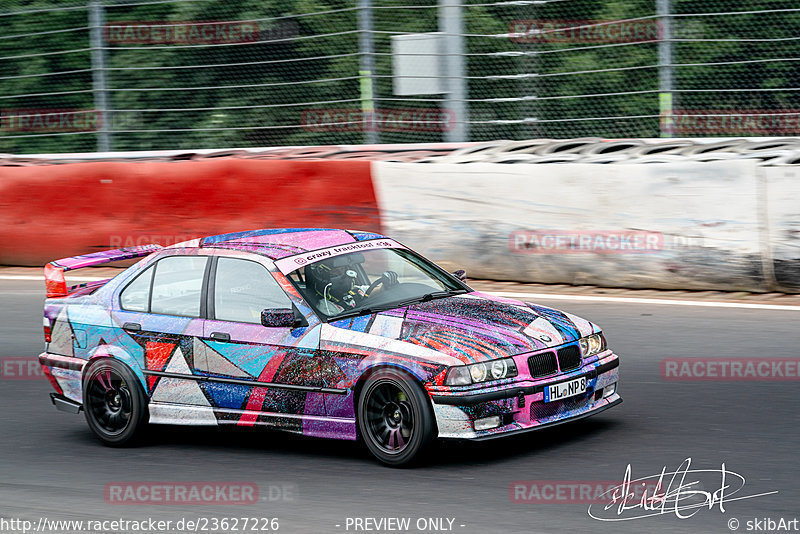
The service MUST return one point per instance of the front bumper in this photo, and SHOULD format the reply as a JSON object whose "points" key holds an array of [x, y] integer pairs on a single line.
{"points": [[520, 405]]}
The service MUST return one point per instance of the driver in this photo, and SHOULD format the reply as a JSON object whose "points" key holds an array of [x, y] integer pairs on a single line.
{"points": [[334, 282]]}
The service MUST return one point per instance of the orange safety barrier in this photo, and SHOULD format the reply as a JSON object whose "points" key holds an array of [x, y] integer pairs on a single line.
{"points": [[53, 211]]}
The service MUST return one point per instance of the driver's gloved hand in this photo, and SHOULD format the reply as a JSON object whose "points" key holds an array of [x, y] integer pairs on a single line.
{"points": [[389, 278]]}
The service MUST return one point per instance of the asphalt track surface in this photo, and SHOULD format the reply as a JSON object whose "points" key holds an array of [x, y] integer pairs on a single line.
{"points": [[52, 467]]}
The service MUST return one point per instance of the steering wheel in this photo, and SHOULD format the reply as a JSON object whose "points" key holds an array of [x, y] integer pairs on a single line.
{"points": [[388, 276], [373, 285]]}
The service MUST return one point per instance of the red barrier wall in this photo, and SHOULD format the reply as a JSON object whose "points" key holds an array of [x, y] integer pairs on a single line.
{"points": [[53, 211]]}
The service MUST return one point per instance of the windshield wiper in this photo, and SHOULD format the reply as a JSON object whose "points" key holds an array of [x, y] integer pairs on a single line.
{"points": [[441, 294], [354, 313], [430, 296], [361, 311]]}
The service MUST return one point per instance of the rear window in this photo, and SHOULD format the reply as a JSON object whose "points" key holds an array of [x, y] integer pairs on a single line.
{"points": [[178, 286], [136, 297]]}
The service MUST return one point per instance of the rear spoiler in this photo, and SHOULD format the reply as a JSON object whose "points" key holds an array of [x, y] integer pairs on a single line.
{"points": [[54, 271]]}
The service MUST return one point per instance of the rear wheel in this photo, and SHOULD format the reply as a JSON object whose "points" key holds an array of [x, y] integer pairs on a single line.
{"points": [[394, 417], [113, 402]]}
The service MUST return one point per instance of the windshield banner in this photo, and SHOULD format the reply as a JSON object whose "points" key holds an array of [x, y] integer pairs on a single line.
{"points": [[292, 263]]}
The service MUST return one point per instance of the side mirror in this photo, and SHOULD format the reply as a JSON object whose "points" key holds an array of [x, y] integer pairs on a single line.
{"points": [[281, 318], [461, 274]]}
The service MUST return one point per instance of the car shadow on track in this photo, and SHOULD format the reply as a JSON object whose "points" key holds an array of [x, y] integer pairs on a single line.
{"points": [[261, 440], [577, 435], [566, 438]]}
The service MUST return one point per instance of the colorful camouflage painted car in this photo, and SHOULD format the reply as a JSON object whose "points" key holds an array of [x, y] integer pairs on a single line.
{"points": [[327, 333]]}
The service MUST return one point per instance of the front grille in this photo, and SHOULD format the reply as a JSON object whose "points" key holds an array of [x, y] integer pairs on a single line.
{"points": [[543, 410], [542, 364], [569, 358]]}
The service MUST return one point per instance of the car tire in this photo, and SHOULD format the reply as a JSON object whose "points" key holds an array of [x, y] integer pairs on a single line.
{"points": [[395, 418], [113, 402]]}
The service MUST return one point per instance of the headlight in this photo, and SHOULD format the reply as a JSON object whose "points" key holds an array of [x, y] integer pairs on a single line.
{"points": [[478, 372], [464, 375], [591, 345], [499, 369]]}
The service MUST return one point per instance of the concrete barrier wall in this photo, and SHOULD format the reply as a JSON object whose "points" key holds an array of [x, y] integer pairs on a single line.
{"points": [[782, 191], [727, 225], [672, 225]]}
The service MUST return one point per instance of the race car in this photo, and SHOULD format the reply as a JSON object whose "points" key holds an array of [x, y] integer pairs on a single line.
{"points": [[323, 332]]}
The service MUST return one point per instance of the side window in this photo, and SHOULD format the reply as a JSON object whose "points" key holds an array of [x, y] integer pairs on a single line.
{"points": [[243, 288], [136, 296], [178, 285]]}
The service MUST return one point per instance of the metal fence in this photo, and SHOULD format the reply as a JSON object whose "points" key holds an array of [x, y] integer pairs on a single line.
{"points": [[165, 74]]}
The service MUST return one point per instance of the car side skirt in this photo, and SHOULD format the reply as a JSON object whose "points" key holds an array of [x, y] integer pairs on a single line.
{"points": [[308, 425]]}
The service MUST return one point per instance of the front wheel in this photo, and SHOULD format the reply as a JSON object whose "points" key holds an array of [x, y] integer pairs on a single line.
{"points": [[394, 417], [114, 402]]}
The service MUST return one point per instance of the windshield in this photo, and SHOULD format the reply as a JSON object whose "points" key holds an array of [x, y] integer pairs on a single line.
{"points": [[366, 282]]}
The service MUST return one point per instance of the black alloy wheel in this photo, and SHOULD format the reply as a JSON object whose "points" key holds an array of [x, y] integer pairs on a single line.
{"points": [[395, 417], [113, 401]]}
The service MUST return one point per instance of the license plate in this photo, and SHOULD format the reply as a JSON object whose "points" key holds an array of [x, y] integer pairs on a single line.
{"points": [[563, 390]]}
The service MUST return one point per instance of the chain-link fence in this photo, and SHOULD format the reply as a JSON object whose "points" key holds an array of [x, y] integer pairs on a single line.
{"points": [[164, 74]]}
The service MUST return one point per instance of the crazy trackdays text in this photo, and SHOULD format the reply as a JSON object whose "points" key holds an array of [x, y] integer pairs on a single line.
{"points": [[290, 263], [335, 251], [201, 524]]}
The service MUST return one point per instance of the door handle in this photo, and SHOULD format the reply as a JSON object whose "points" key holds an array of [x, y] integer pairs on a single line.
{"points": [[220, 336], [134, 327]]}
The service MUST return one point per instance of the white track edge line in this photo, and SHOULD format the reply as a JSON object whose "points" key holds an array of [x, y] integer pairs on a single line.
{"points": [[41, 278], [544, 296], [636, 300]]}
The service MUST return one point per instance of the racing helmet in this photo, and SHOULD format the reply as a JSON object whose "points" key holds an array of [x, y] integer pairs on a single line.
{"points": [[334, 279]]}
